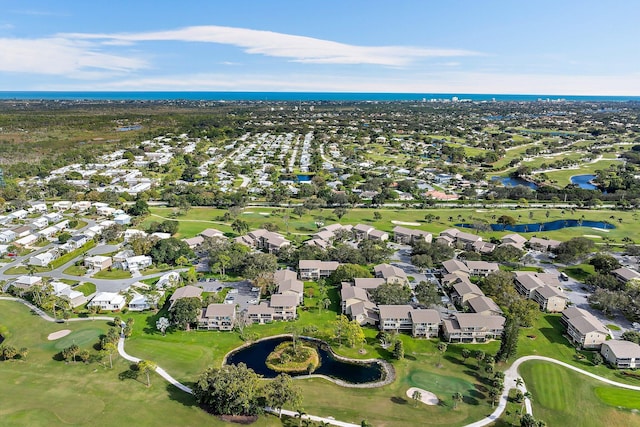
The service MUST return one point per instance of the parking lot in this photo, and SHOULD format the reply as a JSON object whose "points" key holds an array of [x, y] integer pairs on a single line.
{"points": [[240, 293]]}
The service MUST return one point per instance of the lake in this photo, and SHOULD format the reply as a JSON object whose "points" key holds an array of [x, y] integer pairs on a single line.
{"points": [[547, 226], [582, 181], [255, 355], [513, 182], [304, 178]]}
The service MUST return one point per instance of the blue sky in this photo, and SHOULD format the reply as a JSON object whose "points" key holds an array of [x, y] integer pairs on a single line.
{"points": [[536, 47]]}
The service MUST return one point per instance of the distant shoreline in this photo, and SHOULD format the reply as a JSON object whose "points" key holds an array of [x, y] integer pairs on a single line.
{"points": [[299, 96]]}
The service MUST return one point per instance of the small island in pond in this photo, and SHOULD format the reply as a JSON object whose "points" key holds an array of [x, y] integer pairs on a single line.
{"points": [[293, 357]]}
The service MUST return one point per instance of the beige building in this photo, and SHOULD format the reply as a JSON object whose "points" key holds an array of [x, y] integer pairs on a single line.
{"points": [[621, 354], [583, 328], [472, 327], [218, 317]]}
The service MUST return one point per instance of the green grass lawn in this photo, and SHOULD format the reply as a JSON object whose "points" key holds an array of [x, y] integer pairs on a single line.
{"points": [[562, 397], [579, 272], [75, 270], [22, 269], [112, 274], [86, 288], [41, 391], [619, 397]]}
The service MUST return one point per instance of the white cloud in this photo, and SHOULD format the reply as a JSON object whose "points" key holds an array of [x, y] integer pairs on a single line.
{"points": [[59, 56], [296, 48], [456, 82]]}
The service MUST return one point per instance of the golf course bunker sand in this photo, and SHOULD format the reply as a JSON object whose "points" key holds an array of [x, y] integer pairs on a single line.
{"points": [[405, 223], [57, 335], [426, 397], [593, 236]]}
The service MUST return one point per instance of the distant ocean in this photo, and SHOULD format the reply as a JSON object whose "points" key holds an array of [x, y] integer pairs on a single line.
{"points": [[296, 96]]}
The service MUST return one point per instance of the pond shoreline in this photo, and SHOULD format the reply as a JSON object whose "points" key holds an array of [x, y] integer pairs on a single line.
{"points": [[388, 371]]}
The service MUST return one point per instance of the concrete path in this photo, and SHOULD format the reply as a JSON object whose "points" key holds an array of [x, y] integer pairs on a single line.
{"points": [[331, 421]]}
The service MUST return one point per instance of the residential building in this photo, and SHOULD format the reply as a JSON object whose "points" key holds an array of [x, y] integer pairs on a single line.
{"points": [[624, 274], [361, 231], [260, 313], [97, 262], [583, 328], [187, 291], [7, 236], [483, 305], [463, 291], [407, 235], [288, 284], [284, 306], [621, 354], [368, 283], [425, 323], [41, 260], [132, 233], [139, 262], [543, 245], [264, 239], [472, 327], [141, 302], [218, 317], [391, 274], [515, 240], [395, 318], [108, 301], [314, 270], [194, 242], [482, 268], [211, 233], [62, 290], [550, 299], [378, 235], [453, 265], [122, 219], [25, 282]]}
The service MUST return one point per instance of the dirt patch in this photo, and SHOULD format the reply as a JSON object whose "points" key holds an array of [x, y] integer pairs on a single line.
{"points": [[239, 419], [426, 397], [405, 223], [57, 335]]}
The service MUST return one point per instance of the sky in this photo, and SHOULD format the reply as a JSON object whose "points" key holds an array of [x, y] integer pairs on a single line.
{"points": [[564, 47]]}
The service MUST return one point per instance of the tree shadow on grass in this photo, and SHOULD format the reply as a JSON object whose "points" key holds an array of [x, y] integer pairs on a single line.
{"points": [[398, 400], [409, 357], [180, 396], [133, 373], [150, 323]]}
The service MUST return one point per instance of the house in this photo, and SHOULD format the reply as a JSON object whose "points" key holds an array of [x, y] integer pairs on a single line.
{"points": [[395, 318], [284, 306], [368, 283], [425, 323], [7, 236], [264, 239], [62, 290], [482, 268], [41, 260], [621, 354], [515, 240], [526, 283], [543, 245], [122, 219], [463, 291], [624, 274], [391, 274], [53, 217], [104, 210], [108, 301], [260, 313], [407, 235], [62, 205], [81, 206], [77, 241], [185, 292], [3, 250], [355, 304], [19, 214], [483, 247], [25, 282], [549, 299], [168, 280], [97, 262], [39, 223], [132, 233], [379, 235], [483, 305], [120, 259], [27, 240], [211, 233], [583, 328], [139, 262], [314, 270], [453, 265], [141, 302], [288, 284], [38, 207], [472, 327], [361, 231], [22, 231], [217, 317], [194, 242]]}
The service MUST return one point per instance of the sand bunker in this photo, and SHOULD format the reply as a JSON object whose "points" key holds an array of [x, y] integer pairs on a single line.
{"points": [[593, 236], [405, 223], [57, 335], [426, 397], [264, 213]]}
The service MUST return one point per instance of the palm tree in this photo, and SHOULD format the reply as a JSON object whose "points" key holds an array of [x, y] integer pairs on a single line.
{"points": [[417, 397], [457, 398], [519, 382], [146, 366], [494, 393], [299, 414], [527, 395], [110, 348], [442, 347]]}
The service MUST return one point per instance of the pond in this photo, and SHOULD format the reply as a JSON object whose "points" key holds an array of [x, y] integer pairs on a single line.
{"points": [[584, 182], [547, 226], [304, 178], [513, 182], [254, 357]]}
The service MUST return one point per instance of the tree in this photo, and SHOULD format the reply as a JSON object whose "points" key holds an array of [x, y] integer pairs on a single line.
{"points": [[509, 341], [466, 353], [8, 352], [258, 264], [427, 293], [112, 232], [168, 251], [457, 398], [185, 312], [494, 394], [417, 397], [146, 367], [325, 303], [340, 212], [422, 261], [597, 359], [23, 353], [64, 237], [527, 420], [229, 390], [354, 334], [84, 355], [573, 249], [507, 253], [633, 336], [139, 208], [340, 327], [391, 293], [442, 348], [281, 391], [604, 264], [479, 355], [240, 226], [347, 272], [398, 350], [506, 220], [110, 349]]}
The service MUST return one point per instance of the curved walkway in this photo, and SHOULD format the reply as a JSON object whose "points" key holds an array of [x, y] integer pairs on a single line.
{"points": [[511, 375]]}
